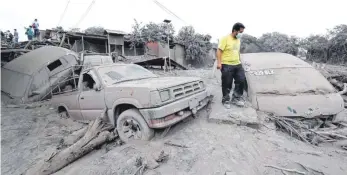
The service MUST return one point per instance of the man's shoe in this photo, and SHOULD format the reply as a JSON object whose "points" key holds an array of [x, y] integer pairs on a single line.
{"points": [[238, 102], [227, 105]]}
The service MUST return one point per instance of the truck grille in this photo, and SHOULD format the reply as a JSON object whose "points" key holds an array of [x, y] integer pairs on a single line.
{"points": [[185, 90]]}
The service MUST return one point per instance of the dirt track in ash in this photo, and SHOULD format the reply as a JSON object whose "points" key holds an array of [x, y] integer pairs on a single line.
{"points": [[208, 148]]}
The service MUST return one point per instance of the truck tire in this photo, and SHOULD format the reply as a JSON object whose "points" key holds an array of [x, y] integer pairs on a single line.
{"points": [[132, 126]]}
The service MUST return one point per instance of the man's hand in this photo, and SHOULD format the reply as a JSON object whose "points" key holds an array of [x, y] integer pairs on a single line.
{"points": [[219, 66]]}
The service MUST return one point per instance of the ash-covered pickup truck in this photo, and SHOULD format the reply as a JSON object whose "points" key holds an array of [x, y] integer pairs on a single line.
{"points": [[136, 99]]}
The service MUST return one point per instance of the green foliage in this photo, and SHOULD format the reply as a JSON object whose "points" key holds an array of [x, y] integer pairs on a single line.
{"points": [[316, 46], [331, 48], [58, 28], [250, 44], [151, 32], [95, 30], [196, 45], [277, 42], [74, 30]]}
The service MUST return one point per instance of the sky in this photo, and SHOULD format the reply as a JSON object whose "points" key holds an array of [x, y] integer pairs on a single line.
{"points": [[215, 17]]}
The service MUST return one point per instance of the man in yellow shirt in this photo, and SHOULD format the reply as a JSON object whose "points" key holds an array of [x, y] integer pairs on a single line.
{"points": [[228, 61]]}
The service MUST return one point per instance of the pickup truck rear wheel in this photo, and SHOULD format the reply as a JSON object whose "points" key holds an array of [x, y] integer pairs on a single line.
{"points": [[132, 126]]}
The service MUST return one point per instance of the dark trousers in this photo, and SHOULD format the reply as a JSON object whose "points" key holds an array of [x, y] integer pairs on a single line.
{"points": [[230, 73]]}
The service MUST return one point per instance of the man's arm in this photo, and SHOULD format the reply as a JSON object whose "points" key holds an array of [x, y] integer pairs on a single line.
{"points": [[219, 58], [221, 46]]}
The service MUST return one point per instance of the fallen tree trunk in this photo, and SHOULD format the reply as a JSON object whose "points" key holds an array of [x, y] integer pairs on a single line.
{"points": [[96, 134], [344, 91], [339, 85]]}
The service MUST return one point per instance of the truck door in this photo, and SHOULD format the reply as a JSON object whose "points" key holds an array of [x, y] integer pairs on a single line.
{"points": [[91, 100]]}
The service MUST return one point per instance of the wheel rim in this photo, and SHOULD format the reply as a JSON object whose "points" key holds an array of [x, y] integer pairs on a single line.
{"points": [[131, 129]]}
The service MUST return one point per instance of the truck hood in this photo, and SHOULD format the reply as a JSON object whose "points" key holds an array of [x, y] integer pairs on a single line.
{"points": [[157, 83], [304, 105]]}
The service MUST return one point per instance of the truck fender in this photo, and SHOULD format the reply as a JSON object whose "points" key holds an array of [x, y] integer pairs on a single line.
{"points": [[63, 105], [111, 111]]}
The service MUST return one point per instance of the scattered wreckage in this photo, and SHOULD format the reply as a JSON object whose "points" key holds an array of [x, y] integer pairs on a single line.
{"points": [[297, 97], [30, 77], [13, 51], [137, 100]]}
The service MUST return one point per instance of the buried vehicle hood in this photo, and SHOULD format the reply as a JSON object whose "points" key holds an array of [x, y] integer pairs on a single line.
{"points": [[157, 83], [304, 105]]}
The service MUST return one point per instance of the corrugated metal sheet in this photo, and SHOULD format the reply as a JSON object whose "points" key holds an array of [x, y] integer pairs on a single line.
{"points": [[117, 32]]}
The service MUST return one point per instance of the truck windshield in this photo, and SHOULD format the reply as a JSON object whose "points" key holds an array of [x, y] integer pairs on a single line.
{"points": [[119, 73]]}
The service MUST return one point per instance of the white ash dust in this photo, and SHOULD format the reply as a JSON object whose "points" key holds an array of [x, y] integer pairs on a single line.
{"points": [[27, 133], [211, 148], [214, 148]]}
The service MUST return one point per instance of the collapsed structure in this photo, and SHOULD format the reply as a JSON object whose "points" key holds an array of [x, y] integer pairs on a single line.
{"points": [[30, 77]]}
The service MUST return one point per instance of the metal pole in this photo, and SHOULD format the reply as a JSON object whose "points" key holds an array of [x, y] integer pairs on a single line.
{"points": [[105, 46], [82, 43], [109, 45], [168, 44]]}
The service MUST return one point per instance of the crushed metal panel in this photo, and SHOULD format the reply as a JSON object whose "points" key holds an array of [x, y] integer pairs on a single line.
{"points": [[14, 83], [30, 62], [301, 105], [30, 76]]}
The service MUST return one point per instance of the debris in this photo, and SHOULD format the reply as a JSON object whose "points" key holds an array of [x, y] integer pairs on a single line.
{"points": [[160, 156], [284, 169], [344, 91], [246, 116], [176, 145], [24, 73], [75, 136], [229, 173], [96, 134], [140, 170], [305, 132], [310, 170]]}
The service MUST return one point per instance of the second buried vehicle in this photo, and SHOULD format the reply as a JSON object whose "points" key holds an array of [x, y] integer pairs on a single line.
{"points": [[136, 99]]}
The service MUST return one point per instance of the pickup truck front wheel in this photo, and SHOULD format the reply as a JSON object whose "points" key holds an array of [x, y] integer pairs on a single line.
{"points": [[132, 126]]}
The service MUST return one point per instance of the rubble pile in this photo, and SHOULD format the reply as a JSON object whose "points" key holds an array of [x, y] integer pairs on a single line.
{"points": [[10, 51], [337, 76]]}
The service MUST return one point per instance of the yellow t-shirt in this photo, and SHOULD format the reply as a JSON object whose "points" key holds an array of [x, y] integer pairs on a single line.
{"points": [[231, 50]]}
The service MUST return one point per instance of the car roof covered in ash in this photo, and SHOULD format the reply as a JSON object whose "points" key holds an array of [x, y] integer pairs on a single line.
{"points": [[271, 60], [31, 62]]}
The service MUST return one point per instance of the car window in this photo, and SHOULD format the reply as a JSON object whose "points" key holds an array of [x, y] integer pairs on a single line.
{"points": [[288, 81], [87, 82]]}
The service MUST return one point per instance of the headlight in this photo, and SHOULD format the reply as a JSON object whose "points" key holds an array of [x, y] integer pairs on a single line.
{"points": [[155, 98], [165, 95], [202, 85]]}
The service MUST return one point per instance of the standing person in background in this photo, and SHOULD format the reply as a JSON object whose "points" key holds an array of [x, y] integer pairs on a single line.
{"points": [[16, 36], [228, 61], [36, 29], [29, 32], [9, 36]]}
